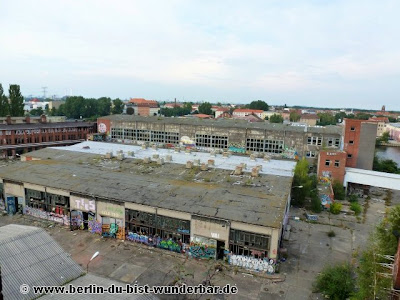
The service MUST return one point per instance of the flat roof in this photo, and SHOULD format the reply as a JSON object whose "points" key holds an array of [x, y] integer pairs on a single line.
{"points": [[45, 125], [271, 167], [227, 123], [213, 193]]}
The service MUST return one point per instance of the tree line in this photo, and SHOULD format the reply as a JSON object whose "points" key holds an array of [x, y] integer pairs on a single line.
{"points": [[12, 105]]}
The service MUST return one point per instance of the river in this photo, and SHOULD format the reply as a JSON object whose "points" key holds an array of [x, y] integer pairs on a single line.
{"points": [[392, 153]]}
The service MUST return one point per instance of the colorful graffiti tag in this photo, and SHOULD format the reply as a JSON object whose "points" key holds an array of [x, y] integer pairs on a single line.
{"points": [[202, 251], [77, 219], [290, 153], [63, 219], [94, 226], [250, 263], [237, 149], [156, 241]]}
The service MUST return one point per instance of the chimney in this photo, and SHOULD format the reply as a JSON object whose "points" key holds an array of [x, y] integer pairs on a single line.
{"points": [[43, 119], [8, 120], [27, 119], [175, 103]]}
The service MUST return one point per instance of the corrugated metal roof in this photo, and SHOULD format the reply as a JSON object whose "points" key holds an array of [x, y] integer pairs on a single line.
{"points": [[99, 281], [28, 255]]}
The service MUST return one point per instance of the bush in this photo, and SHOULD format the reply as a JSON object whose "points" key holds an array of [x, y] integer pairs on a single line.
{"points": [[336, 208], [331, 233], [336, 282], [316, 203], [353, 198], [338, 190], [354, 206]]}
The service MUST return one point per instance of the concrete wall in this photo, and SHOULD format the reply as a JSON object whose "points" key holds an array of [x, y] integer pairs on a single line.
{"points": [[112, 210], [212, 230], [14, 189], [82, 203], [367, 146]]}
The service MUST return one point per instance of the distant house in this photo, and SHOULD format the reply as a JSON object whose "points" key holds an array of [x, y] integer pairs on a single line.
{"points": [[202, 116], [243, 112], [143, 107], [382, 124], [250, 118], [220, 111], [309, 119]]}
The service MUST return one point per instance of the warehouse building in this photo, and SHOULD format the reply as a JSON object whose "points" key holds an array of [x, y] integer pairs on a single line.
{"points": [[279, 140], [203, 205], [18, 137]]}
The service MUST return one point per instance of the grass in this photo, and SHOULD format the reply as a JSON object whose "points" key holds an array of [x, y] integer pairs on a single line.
{"points": [[354, 206]]}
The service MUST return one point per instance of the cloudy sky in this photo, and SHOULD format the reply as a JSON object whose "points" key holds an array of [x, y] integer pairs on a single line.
{"points": [[329, 53]]}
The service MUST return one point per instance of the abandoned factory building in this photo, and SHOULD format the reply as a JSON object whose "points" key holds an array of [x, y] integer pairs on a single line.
{"points": [[279, 140], [203, 205]]}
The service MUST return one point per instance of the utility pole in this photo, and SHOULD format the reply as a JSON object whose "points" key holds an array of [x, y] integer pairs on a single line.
{"points": [[44, 88]]}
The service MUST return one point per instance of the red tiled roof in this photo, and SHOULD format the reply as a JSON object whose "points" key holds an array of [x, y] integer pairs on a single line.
{"points": [[248, 110], [202, 116], [309, 117], [379, 119], [143, 102]]}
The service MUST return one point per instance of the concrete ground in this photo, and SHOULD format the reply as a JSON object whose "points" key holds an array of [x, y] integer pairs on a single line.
{"points": [[309, 250]]}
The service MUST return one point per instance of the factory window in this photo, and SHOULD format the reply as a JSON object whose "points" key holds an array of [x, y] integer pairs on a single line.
{"points": [[337, 164], [273, 146], [128, 134], [333, 142], [171, 138], [314, 140], [255, 145], [142, 135], [248, 244], [116, 133], [157, 136], [349, 155], [47, 202], [260, 145], [203, 140], [351, 142], [353, 128], [219, 141], [327, 162], [156, 227], [310, 154]]}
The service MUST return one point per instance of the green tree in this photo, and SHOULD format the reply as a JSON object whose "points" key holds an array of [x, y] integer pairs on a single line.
{"points": [[187, 107], [385, 165], [4, 105], [362, 116], [276, 119], [338, 190], [294, 116], [302, 183], [130, 111], [384, 138], [258, 104], [16, 101], [103, 106], [46, 109], [36, 112], [336, 282], [326, 119], [205, 108], [118, 106], [339, 117], [382, 242]]}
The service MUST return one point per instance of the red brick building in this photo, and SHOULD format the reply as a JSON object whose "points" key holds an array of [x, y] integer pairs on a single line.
{"points": [[22, 138], [143, 107], [359, 143], [332, 164]]}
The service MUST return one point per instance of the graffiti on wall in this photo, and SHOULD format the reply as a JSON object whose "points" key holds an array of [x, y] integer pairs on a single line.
{"points": [[187, 142], [2, 205], [264, 265], [77, 219], [156, 241], [11, 209], [51, 216], [237, 149], [202, 251], [85, 204], [94, 226], [290, 153]]}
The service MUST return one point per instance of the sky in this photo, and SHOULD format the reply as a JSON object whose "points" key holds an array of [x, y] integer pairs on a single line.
{"points": [[324, 53]]}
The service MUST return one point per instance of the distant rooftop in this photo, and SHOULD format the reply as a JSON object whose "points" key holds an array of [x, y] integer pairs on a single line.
{"points": [[226, 123]]}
